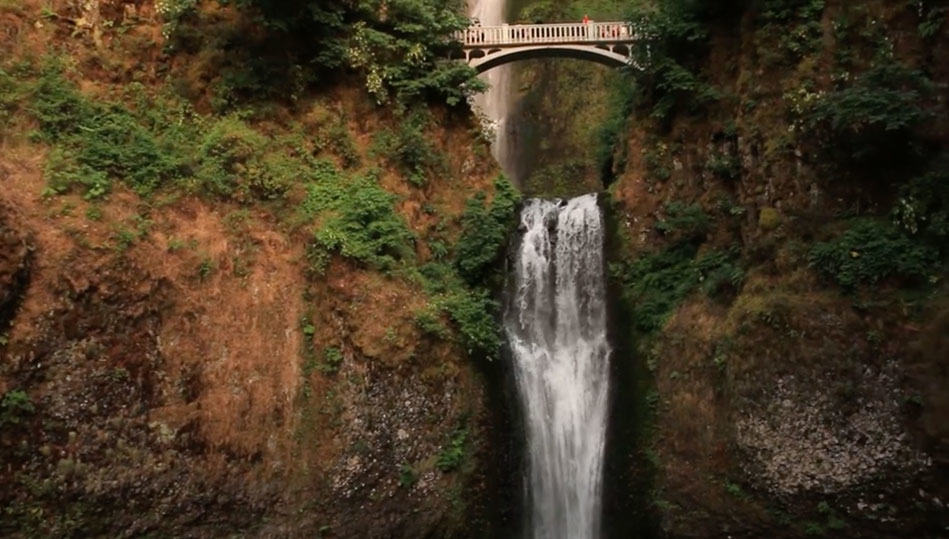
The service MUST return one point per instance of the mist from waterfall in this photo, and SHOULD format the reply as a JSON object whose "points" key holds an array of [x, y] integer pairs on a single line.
{"points": [[555, 320]]}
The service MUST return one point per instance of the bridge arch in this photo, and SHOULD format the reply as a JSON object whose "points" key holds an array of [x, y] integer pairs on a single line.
{"points": [[607, 43], [490, 59]]}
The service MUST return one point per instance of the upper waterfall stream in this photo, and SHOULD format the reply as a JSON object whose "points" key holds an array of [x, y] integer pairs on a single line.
{"points": [[495, 104], [555, 320]]}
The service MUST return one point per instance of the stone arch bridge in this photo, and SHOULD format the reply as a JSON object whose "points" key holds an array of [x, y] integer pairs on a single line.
{"points": [[608, 43]]}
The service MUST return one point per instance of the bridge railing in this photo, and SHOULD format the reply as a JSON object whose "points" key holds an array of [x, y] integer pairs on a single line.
{"points": [[539, 34]]}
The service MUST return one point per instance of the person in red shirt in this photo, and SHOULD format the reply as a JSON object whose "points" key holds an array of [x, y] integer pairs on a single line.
{"points": [[586, 19]]}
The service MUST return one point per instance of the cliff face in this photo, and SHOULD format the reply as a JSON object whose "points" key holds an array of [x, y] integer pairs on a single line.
{"points": [[278, 337], [178, 362], [564, 110], [792, 396]]}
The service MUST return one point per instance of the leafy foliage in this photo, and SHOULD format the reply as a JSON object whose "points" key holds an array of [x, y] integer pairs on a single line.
{"points": [[324, 22], [63, 172], [235, 161], [453, 455], [475, 313], [408, 476], [656, 283], [485, 232], [409, 149], [923, 205], [684, 223], [11, 94], [874, 116], [871, 251], [97, 142], [724, 165], [332, 359], [400, 47], [15, 407], [675, 34], [362, 223], [795, 23], [610, 133]]}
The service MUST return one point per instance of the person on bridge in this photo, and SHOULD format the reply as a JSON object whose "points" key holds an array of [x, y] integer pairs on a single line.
{"points": [[586, 19]]}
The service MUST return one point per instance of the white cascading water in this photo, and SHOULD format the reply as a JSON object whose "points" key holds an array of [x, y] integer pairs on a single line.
{"points": [[495, 104], [555, 320]]}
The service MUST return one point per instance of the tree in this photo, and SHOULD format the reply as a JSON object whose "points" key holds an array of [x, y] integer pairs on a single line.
{"points": [[400, 46]]}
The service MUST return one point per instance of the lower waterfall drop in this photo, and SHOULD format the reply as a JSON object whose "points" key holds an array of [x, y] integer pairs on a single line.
{"points": [[555, 320]]}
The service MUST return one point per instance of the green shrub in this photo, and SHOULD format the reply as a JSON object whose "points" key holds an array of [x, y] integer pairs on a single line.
{"points": [[675, 37], [658, 161], [871, 120], [341, 143], [116, 143], [205, 268], [15, 407], [871, 251], [735, 490], [719, 273], [408, 476], [655, 284], [11, 95], [724, 165], [453, 455], [684, 223], [471, 309], [796, 24], [332, 359], [63, 173], [172, 11], [58, 106], [409, 150], [358, 219], [923, 204], [429, 321], [401, 50], [324, 190], [234, 161], [475, 314], [96, 142], [438, 249], [933, 21], [485, 231], [236, 84], [161, 142], [439, 278], [405, 55], [814, 529], [363, 224]]}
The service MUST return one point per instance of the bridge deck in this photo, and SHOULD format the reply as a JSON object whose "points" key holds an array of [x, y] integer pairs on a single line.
{"points": [[519, 35]]}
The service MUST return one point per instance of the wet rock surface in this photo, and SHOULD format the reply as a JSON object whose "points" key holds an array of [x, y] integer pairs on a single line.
{"points": [[15, 258]]}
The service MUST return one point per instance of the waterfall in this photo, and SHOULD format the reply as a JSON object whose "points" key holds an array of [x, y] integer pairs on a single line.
{"points": [[495, 104], [555, 320]]}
